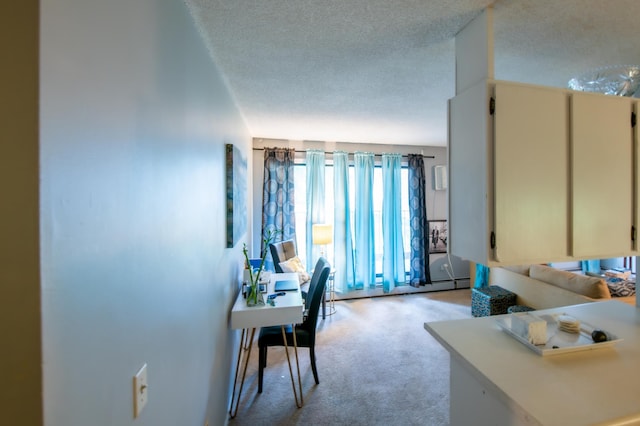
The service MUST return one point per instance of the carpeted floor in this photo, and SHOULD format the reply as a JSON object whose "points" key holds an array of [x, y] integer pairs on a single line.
{"points": [[376, 364]]}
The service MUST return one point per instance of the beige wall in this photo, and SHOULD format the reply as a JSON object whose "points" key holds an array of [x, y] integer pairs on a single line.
{"points": [[20, 357]]}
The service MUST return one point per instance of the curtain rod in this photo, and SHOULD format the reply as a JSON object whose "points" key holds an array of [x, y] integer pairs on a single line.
{"points": [[351, 153]]}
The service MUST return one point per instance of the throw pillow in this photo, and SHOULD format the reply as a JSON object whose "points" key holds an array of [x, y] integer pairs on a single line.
{"points": [[620, 288], [295, 265]]}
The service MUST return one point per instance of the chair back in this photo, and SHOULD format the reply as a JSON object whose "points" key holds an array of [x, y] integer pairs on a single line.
{"points": [[281, 251], [316, 290]]}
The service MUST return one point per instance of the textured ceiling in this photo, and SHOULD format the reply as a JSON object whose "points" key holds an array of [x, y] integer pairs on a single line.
{"points": [[381, 71]]}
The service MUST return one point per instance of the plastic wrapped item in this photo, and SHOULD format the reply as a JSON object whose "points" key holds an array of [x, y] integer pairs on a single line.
{"points": [[619, 80]]}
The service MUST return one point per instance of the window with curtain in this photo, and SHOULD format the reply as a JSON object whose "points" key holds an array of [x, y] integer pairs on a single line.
{"points": [[340, 187], [419, 243], [363, 223], [315, 211], [278, 200], [344, 262], [393, 258]]}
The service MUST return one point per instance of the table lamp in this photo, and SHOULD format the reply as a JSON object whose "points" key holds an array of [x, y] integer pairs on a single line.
{"points": [[322, 234]]}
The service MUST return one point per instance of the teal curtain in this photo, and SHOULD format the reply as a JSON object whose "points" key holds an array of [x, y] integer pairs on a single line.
{"points": [[278, 207], [419, 273], [393, 270], [363, 212], [590, 266], [344, 278], [482, 276], [315, 201]]}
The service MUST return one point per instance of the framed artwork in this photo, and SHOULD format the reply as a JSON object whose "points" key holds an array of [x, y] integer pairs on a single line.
{"points": [[437, 236], [236, 170]]}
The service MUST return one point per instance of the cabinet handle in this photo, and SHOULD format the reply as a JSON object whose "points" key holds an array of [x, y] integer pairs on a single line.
{"points": [[493, 240]]}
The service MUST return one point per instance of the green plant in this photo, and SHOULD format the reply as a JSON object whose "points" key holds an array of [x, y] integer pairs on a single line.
{"points": [[253, 296]]}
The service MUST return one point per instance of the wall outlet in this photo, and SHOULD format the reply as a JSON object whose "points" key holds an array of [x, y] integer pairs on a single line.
{"points": [[140, 391]]}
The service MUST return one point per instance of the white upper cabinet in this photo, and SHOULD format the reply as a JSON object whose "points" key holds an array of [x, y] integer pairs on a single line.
{"points": [[602, 175], [530, 174], [469, 184], [540, 175]]}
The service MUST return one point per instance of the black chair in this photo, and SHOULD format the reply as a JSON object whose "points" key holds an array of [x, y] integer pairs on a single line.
{"points": [[305, 332], [281, 251]]}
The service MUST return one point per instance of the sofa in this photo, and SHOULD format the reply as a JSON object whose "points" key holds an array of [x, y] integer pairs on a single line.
{"points": [[543, 287]]}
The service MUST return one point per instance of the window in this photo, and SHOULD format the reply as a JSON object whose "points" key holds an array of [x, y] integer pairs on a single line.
{"points": [[300, 177]]}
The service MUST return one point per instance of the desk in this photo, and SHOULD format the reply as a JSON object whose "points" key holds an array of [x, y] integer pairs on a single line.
{"points": [[288, 309], [496, 380]]}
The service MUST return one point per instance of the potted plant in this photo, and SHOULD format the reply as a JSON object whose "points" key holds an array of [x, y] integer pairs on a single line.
{"points": [[254, 296]]}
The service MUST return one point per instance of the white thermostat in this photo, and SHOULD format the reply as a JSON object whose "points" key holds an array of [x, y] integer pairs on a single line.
{"points": [[439, 177]]}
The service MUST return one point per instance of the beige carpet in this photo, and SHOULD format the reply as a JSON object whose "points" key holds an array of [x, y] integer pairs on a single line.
{"points": [[376, 364]]}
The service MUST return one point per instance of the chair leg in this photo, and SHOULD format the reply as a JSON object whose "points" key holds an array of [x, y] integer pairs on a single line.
{"points": [[262, 363], [312, 354], [263, 356]]}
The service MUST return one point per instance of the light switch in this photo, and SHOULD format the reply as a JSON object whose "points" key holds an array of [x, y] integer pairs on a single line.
{"points": [[140, 391]]}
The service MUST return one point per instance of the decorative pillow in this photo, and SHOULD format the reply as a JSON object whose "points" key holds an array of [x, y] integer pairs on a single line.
{"points": [[620, 288], [592, 287], [295, 265]]}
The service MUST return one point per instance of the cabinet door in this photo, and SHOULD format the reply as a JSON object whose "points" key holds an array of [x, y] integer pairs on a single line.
{"points": [[468, 174], [530, 174], [601, 175]]}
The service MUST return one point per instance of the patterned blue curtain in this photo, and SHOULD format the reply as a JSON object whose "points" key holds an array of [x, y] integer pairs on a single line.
{"points": [[344, 278], [315, 201], [419, 273], [365, 257], [278, 207], [393, 272]]}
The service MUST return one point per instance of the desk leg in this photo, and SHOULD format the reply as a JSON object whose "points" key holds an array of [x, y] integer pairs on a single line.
{"points": [[299, 403], [246, 345]]}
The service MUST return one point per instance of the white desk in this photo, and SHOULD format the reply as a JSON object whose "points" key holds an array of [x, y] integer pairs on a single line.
{"points": [[496, 380], [288, 309]]}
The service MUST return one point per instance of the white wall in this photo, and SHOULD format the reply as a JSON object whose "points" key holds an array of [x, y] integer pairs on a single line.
{"points": [[134, 121]]}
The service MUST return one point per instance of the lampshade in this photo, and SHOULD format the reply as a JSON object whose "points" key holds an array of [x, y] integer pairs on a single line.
{"points": [[322, 233]]}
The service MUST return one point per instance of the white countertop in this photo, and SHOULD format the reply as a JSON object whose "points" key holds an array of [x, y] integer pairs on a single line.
{"points": [[594, 387]]}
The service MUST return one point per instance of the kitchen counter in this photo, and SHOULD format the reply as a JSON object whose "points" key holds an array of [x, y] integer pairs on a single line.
{"points": [[496, 380]]}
